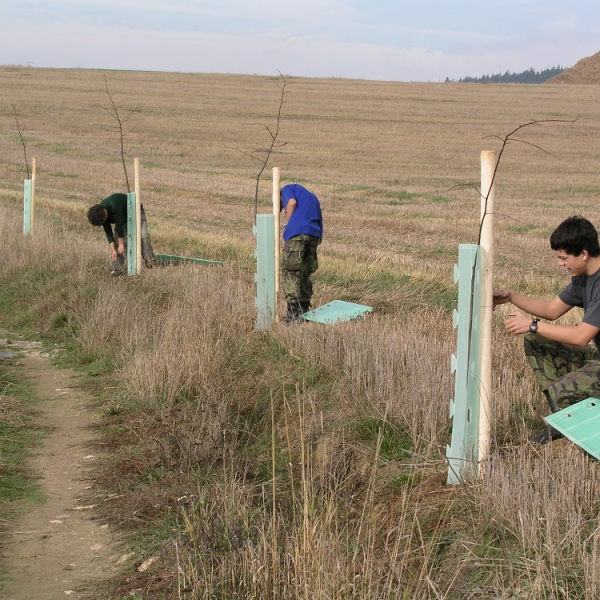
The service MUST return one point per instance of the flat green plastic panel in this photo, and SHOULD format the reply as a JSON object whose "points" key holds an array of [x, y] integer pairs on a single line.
{"points": [[131, 235], [264, 230], [581, 424], [27, 206], [336, 311], [201, 261]]}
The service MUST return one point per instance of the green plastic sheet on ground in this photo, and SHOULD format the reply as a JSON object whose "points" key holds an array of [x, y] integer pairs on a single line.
{"points": [[336, 311], [581, 424], [177, 259]]}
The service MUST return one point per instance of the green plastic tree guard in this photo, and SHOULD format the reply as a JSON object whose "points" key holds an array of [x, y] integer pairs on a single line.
{"points": [[131, 235], [463, 452], [581, 424], [264, 230], [27, 206]]}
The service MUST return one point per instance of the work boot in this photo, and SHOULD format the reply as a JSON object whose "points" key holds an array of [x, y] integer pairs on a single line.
{"points": [[294, 310], [549, 434], [116, 273], [305, 306]]}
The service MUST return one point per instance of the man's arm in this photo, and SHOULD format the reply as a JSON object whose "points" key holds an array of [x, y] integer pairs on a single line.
{"points": [[578, 335], [518, 323], [289, 209], [545, 309]]}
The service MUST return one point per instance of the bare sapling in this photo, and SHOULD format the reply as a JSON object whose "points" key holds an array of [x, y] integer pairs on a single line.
{"points": [[121, 120], [485, 260], [263, 154], [20, 132], [506, 140]]}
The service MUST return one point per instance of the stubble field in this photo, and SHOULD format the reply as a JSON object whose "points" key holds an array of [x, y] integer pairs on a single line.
{"points": [[307, 461]]}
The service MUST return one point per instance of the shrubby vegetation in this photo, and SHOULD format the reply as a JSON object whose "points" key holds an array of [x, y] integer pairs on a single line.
{"points": [[528, 76]]}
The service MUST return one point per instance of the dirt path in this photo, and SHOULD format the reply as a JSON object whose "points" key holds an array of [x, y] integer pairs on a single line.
{"points": [[58, 549]]}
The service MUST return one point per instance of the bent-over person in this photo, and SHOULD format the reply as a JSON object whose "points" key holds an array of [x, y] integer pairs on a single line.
{"points": [[113, 211], [302, 235]]}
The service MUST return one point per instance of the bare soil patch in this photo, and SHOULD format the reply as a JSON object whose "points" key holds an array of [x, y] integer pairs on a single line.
{"points": [[59, 548]]}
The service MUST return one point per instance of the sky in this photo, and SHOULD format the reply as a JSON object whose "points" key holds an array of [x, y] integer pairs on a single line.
{"points": [[392, 40]]}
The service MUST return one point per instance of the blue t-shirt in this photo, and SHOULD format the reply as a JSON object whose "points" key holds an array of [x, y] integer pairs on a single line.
{"points": [[584, 291], [306, 218]]}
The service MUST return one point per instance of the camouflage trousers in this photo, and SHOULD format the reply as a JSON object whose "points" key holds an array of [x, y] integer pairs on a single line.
{"points": [[298, 262], [118, 265], [565, 373]]}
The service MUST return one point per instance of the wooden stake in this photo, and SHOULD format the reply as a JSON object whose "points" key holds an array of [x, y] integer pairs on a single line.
{"points": [[138, 215], [488, 166], [277, 213]]}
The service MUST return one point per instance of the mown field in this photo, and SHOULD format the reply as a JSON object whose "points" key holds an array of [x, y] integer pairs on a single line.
{"points": [[305, 462]]}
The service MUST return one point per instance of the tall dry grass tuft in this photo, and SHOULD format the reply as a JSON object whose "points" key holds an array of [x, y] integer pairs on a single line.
{"points": [[169, 332], [178, 349], [50, 248], [290, 538], [540, 510], [47, 276], [388, 367]]}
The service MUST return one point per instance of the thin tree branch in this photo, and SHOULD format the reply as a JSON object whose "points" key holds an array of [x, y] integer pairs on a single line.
{"points": [[113, 111], [20, 131], [505, 141], [273, 140], [262, 155]]}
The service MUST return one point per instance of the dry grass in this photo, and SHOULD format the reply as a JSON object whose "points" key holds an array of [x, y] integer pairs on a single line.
{"points": [[309, 462]]}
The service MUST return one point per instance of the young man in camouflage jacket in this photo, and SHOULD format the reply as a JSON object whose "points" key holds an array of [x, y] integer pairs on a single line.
{"points": [[565, 365]]}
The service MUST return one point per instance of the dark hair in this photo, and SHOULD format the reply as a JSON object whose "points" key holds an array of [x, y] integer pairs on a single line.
{"points": [[574, 235], [96, 214]]}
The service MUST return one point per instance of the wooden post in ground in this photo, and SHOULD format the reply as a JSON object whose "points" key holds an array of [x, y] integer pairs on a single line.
{"points": [[488, 168], [276, 214], [138, 215]]}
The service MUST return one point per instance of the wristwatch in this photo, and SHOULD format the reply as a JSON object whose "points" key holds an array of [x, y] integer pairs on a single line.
{"points": [[534, 325]]}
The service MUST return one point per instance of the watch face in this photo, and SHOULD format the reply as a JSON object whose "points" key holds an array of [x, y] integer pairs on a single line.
{"points": [[533, 327]]}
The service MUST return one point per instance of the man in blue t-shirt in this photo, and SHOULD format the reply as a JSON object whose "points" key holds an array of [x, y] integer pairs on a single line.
{"points": [[565, 366], [302, 235]]}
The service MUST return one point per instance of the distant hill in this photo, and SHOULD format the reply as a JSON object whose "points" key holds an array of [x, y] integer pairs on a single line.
{"points": [[586, 71]]}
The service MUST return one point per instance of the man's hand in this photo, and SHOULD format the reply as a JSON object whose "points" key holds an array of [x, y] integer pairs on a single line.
{"points": [[121, 248], [501, 297], [517, 323]]}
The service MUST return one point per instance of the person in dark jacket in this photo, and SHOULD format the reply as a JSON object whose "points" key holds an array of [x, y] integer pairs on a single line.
{"points": [[113, 211]]}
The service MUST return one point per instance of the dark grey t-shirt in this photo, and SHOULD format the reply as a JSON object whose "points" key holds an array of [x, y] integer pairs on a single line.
{"points": [[584, 291]]}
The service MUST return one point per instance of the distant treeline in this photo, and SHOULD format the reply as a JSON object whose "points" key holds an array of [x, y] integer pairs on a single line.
{"points": [[529, 76]]}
